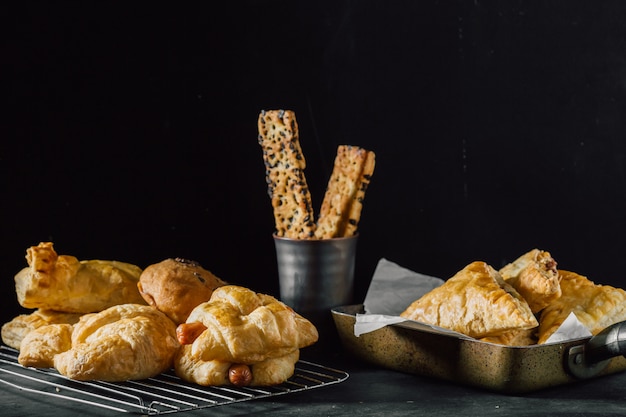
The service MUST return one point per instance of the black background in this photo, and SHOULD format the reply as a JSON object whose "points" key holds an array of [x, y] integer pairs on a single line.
{"points": [[129, 130]]}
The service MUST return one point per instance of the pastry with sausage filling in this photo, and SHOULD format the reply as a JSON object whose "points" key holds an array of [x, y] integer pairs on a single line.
{"points": [[241, 338]]}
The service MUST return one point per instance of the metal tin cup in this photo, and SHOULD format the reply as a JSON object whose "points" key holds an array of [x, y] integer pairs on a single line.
{"points": [[316, 275]]}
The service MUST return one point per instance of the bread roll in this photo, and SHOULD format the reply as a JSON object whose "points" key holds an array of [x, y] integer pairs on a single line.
{"points": [[177, 286]]}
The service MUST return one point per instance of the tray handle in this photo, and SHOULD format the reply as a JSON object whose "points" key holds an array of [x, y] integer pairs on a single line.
{"points": [[589, 359]]}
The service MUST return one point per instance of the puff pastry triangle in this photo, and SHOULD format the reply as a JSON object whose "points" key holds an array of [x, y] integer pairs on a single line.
{"points": [[476, 301], [535, 276], [595, 306]]}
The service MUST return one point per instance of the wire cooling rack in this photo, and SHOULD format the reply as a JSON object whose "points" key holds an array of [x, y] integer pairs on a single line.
{"points": [[165, 393]]}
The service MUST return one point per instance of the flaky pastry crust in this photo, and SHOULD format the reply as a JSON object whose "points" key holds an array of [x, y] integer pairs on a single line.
{"points": [[14, 331], [40, 346], [63, 283], [243, 327], [272, 371], [476, 301], [123, 342], [535, 276], [595, 306]]}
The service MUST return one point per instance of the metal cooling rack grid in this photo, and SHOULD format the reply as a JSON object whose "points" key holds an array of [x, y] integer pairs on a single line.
{"points": [[165, 393]]}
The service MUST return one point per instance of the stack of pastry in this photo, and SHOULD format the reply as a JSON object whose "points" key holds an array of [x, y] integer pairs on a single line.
{"points": [[521, 304], [229, 335], [61, 289], [92, 322]]}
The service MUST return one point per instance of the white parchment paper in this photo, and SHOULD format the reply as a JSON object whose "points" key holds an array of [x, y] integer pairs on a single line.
{"points": [[391, 291], [570, 329], [393, 288]]}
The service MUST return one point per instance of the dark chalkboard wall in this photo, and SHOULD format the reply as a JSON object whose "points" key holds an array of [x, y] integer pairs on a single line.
{"points": [[129, 130]]}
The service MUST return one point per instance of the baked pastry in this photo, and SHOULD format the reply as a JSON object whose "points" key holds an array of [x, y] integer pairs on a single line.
{"points": [[40, 346], [177, 286], [284, 170], [14, 331], [535, 276], [595, 306], [240, 328], [63, 283], [343, 201], [123, 342], [476, 301], [272, 371], [284, 160]]}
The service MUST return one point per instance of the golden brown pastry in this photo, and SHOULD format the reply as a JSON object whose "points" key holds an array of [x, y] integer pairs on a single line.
{"points": [[15, 330], [595, 306], [272, 371], [63, 283], [240, 327], [535, 276], [41, 345], [343, 200], [177, 286], [284, 174], [123, 342], [476, 301]]}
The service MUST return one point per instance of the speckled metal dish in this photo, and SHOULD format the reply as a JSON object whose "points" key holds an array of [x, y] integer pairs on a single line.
{"points": [[485, 365]]}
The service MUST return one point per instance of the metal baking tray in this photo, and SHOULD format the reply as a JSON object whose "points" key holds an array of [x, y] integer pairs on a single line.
{"points": [[412, 348], [163, 394]]}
